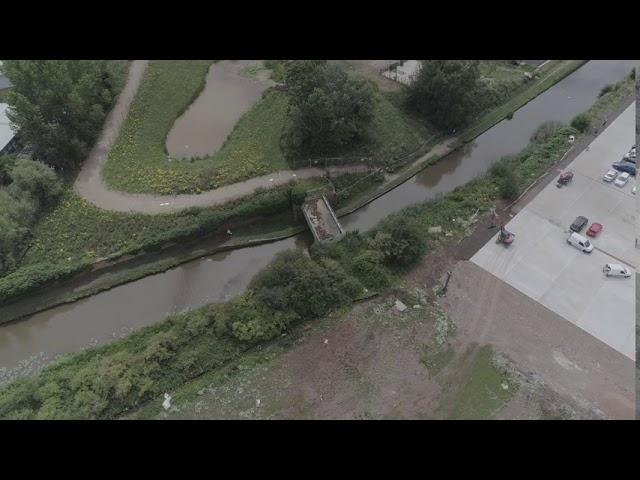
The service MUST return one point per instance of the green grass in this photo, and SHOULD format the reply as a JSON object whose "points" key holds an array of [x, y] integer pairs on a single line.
{"points": [[393, 132], [482, 392], [435, 359], [138, 161]]}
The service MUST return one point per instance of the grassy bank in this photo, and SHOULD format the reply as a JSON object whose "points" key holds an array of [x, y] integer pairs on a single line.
{"points": [[76, 234]]}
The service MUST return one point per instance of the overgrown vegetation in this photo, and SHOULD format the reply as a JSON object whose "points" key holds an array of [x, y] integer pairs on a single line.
{"points": [[27, 189], [59, 106], [328, 109]]}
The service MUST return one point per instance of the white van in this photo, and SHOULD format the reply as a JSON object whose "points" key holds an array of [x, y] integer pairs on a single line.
{"points": [[581, 243], [616, 270]]}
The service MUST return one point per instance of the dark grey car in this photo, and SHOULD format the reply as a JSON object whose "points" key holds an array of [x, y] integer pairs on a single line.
{"points": [[578, 224]]}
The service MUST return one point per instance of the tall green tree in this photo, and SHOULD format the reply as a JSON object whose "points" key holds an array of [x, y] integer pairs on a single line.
{"points": [[446, 92], [328, 109], [60, 105]]}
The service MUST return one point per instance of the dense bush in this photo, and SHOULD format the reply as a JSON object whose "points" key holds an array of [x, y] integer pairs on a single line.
{"points": [[545, 131], [31, 277], [328, 109], [400, 240], [509, 185], [295, 283], [36, 180], [369, 269], [581, 122], [606, 89], [27, 187]]}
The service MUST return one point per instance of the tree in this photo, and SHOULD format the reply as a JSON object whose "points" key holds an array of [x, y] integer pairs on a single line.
{"points": [[294, 283], [328, 110], [446, 92], [60, 105], [16, 215], [37, 180]]}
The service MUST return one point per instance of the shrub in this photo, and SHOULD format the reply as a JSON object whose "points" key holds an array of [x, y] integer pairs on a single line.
{"points": [[606, 89], [509, 185], [368, 268], [37, 180], [295, 283], [34, 276], [581, 122], [400, 241], [545, 131]]}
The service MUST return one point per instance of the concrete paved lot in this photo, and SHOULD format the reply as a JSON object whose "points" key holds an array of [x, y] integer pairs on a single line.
{"points": [[542, 265]]}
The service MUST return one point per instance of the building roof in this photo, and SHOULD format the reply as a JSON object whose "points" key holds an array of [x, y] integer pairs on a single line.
{"points": [[6, 131]]}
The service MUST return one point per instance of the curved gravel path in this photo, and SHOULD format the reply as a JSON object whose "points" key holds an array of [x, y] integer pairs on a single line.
{"points": [[91, 186]]}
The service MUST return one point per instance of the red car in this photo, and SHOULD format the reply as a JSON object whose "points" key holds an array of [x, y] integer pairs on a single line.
{"points": [[594, 229]]}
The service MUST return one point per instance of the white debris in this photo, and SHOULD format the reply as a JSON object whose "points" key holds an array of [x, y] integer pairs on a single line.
{"points": [[326, 340], [167, 401], [437, 229], [417, 306], [401, 307], [505, 386], [572, 138], [257, 402]]}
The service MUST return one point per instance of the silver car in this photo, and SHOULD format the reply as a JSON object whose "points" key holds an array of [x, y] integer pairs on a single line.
{"points": [[610, 176]]}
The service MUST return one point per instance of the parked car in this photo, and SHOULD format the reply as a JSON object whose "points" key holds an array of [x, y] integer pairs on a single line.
{"points": [[629, 158], [625, 167], [594, 229], [579, 223], [578, 241], [610, 176], [622, 179], [616, 270]]}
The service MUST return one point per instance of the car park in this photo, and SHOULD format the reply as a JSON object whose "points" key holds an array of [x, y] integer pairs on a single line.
{"points": [[610, 176], [616, 270], [622, 179], [581, 243], [578, 224], [628, 167], [594, 229]]}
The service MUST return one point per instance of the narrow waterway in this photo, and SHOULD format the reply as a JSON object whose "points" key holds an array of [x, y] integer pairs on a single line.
{"points": [[27, 345]]}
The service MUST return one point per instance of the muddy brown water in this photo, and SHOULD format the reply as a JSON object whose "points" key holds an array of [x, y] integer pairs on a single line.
{"points": [[27, 345], [227, 95]]}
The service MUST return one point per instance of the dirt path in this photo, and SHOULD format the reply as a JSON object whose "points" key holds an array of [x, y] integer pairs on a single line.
{"points": [[91, 186]]}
